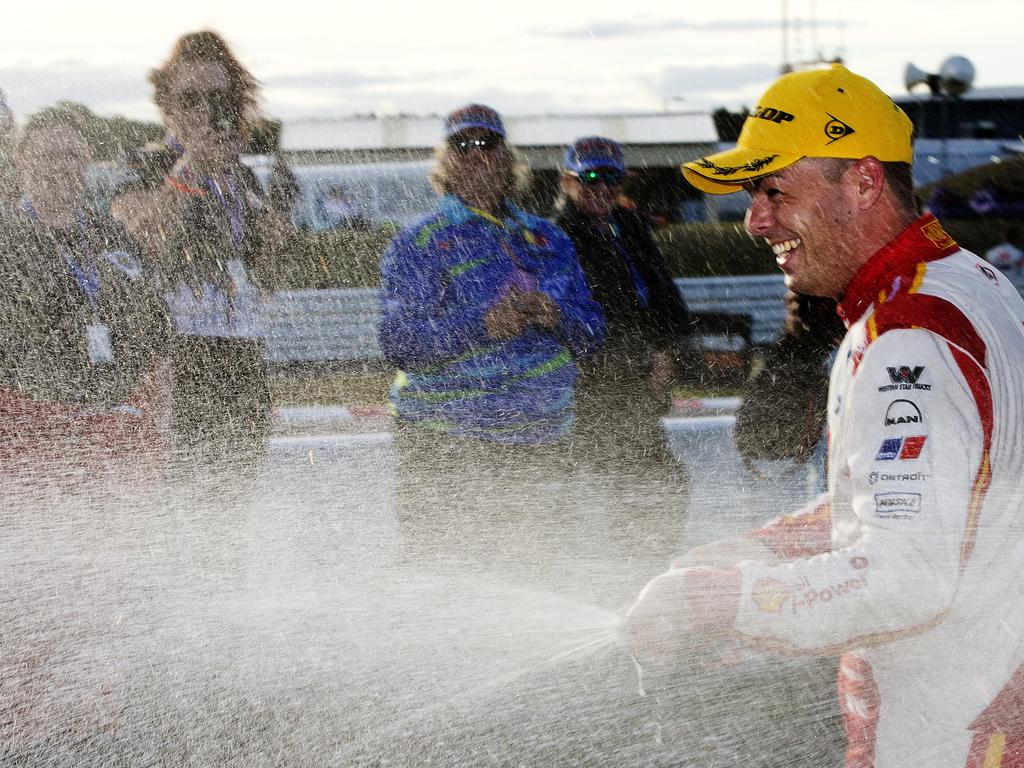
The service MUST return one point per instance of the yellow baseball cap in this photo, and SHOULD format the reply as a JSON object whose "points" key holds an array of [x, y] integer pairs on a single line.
{"points": [[814, 113]]}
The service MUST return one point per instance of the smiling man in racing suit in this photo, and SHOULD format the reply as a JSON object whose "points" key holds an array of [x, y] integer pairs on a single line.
{"points": [[910, 567]]}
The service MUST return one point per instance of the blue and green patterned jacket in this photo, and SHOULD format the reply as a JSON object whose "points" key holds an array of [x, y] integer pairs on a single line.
{"points": [[438, 280]]}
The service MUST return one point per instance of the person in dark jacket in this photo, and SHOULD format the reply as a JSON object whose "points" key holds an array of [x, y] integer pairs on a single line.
{"points": [[784, 410], [214, 240], [83, 334], [624, 388], [619, 445]]}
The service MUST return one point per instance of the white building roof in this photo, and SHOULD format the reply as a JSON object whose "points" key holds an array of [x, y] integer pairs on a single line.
{"points": [[1009, 92], [368, 133]]}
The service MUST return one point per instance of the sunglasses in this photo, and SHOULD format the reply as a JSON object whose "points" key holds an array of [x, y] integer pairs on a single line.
{"points": [[607, 176], [464, 144], [220, 104]]}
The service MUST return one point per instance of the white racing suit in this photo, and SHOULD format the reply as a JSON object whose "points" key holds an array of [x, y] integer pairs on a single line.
{"points": [[912, 567]]}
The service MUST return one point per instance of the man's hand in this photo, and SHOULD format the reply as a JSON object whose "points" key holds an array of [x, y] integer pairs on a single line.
{"points": [[540, 309], [517, 309], [658, 623], [505, 320], [678, 603]]}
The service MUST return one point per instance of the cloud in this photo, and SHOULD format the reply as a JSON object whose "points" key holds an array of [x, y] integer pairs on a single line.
{"points": [[123, 90], [706, 80], [621, 30], [354, 79], [104, 89], [419, 100]]}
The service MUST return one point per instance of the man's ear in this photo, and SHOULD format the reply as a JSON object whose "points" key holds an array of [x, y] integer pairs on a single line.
{"points": [[868, 177]]}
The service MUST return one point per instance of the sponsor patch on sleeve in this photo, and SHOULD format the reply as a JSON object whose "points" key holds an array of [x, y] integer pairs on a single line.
{"points": [[912, 447], [890, 449], [904, 378], [897, 505], [902, 412], [901, 448]]}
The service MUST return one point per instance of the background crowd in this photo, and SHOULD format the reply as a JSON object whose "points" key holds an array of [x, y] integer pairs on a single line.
{"points": [[528, 351], [166, 291]]}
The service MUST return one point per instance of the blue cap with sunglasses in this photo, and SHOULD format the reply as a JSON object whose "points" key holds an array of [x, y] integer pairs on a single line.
{"points": [[473, 116], [593, 153]]}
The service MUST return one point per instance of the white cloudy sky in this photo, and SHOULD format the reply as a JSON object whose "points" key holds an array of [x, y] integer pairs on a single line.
{"points": [[523, 57]]}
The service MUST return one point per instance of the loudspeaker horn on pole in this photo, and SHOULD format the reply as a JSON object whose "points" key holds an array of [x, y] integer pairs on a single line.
{"points": [[914, 75], [956, 76]]}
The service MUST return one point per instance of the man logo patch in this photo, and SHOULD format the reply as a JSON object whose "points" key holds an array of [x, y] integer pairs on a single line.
{"points": [[897, 506], [901, 448], [836, 129], [902, 412]]}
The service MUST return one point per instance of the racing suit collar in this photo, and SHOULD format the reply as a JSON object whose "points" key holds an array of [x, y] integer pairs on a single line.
{"points": [[457, 212], [894, 267]]}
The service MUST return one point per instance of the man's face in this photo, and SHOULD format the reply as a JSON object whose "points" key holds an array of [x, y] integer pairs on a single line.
{"points": [[478, 163], [202, 112], [51, 164], [595, 192], [807, 218]]}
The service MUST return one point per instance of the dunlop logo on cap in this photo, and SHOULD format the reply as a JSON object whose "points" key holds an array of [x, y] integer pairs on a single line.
{"points": [[772, 114], [836, 129]]}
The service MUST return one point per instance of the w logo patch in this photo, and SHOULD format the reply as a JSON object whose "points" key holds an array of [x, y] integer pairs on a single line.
{"points": [[905, 374]]}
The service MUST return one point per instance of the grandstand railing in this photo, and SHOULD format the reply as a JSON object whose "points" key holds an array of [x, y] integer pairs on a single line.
{"points": [[340, 325]]}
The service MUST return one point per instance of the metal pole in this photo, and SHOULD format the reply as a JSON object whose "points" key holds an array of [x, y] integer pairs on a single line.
{"points": [[944, 157], [785, 36]]}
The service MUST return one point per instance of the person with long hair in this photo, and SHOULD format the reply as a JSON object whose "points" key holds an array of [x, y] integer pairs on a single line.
{"points": [[485, 313], [214, 242]]}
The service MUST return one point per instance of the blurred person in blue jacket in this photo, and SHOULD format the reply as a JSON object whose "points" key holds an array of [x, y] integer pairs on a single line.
{"points": [[485, 311]]}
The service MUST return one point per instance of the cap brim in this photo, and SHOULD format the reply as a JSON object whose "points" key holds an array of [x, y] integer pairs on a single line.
{"points": [[596, 165], [455, 129], [725, 172]]}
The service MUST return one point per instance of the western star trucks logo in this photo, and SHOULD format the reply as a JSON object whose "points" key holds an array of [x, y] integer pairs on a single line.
{"points": [[904, 377]]}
